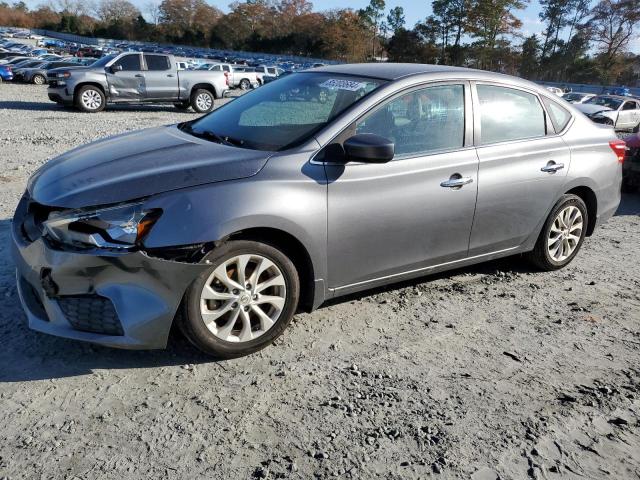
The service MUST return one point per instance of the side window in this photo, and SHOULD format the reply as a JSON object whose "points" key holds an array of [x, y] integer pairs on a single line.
{"points": [[226, 68], [559, 115], [157, 63], [217, 68], [129, 63], [272, 71], [422, 121], [629, 106], [508, 114]]}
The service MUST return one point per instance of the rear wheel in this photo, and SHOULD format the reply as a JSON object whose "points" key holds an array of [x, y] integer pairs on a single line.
{"points": [[245, 84], [243, 302], [202, 100], [39, 79], [562, 235], [90, 99]]}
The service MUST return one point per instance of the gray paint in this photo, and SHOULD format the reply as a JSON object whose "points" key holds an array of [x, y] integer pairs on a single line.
{"points": [[138, 164], [362, 225], [131, 86]]}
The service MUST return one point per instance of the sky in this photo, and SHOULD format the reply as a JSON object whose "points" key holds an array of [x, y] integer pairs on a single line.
{"points": [[415, 11]]}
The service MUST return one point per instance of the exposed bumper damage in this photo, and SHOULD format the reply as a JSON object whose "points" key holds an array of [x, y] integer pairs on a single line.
{"points": [[117, 299]]}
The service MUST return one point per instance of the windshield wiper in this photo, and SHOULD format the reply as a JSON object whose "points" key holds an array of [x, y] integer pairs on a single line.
{"points": [[209, 135]]}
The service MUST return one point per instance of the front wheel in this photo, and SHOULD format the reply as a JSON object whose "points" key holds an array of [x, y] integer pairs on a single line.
{"points": [[243, 302], [39, 79], [202, 101], [562, 235], [245, 84], [90, 99]]}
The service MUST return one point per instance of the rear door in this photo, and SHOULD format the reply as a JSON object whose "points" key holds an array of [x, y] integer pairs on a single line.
{"points": [[126, 84], [160, 78], [523, 165]]}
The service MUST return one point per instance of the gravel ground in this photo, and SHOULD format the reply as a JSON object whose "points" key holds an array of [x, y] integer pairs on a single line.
{"points": [[494, 371]]}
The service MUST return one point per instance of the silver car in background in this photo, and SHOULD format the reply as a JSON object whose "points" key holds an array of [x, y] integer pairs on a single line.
{"points": [[279, 201]]}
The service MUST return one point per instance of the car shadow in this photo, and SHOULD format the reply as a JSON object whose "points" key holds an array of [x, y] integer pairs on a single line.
{"points": [[40, 106]]}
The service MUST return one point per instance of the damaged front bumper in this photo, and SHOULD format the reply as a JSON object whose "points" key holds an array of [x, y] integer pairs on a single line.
{"points": [[117, 299]]}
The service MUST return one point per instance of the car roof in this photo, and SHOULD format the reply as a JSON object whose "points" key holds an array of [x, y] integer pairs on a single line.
{"points": [[396, 71]]}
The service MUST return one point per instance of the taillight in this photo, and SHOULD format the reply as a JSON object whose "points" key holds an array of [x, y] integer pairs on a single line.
{"points": [[619, 147], [226, 77]]}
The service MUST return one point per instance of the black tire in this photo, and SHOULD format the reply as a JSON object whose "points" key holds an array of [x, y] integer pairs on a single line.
{"points": [[245, 84], [39, 79], [96, 93], [199, 104], [540, 256], [182, 106], [192, 324]]}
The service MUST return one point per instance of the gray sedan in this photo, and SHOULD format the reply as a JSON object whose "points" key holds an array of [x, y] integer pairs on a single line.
{"points": [[279, 201]]}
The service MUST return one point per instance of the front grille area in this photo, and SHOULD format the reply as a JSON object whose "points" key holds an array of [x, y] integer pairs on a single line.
{"points": [[91, 313]]}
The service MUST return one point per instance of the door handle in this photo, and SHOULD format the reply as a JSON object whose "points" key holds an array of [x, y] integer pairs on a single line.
{"points": [[456, 181], [139, 75], [552, 167], [170, 75]]}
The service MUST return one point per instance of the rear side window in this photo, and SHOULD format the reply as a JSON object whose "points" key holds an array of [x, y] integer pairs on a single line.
{"points": [[130, 63], [508, 114], [157, 62], [559, 115]]}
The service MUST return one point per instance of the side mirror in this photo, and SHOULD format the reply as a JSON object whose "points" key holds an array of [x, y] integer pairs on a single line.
{"points": [[115, 68], [369, 148]]}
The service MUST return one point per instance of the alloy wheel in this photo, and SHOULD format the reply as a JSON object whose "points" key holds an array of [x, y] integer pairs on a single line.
{"points": [[204, 101], [565, 233], [91, 99], [243, 298]]}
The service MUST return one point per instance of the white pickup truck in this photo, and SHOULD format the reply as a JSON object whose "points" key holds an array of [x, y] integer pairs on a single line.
{"points": [[240, 76]]}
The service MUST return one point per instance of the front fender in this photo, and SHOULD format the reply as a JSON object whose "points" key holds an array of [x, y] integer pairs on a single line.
{"points": [[295, 205]]}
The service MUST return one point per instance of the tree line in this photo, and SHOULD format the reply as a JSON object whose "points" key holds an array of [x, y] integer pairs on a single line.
{"points": [[583, 41]]}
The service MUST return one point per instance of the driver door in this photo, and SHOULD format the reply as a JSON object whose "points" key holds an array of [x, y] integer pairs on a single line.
{"points": [[125, 78], [385, 220]]}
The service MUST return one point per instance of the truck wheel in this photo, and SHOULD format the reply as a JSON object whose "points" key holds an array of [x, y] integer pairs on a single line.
{"points": [[202, 100], [245, 84], [90, 99], [39, 79], [182, 106]]}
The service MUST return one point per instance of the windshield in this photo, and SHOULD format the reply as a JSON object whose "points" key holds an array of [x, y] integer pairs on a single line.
{"points": [[282, 114], [612, 103], [103, 61]]}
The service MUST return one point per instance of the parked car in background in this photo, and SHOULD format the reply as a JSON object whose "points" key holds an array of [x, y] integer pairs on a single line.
{"points": [[268, 72], [556, 91], [6, 73], [135, 78], [38, 74], [239, 76], [241, 217], [577, 97], [621, 91], [622, 113], [631, 165]]}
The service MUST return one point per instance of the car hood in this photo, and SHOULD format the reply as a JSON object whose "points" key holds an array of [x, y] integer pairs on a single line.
{"points": [[590, 109], [136, 165]]}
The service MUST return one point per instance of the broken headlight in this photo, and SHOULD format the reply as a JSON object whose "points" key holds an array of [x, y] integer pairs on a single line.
{"points": [[122, 226]]}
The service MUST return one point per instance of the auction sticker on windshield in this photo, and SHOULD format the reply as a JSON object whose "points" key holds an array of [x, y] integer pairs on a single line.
{"points": [[339, 84]]}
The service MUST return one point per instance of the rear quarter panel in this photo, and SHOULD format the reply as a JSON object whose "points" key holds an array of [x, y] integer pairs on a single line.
{"points": [[594, 164]]}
